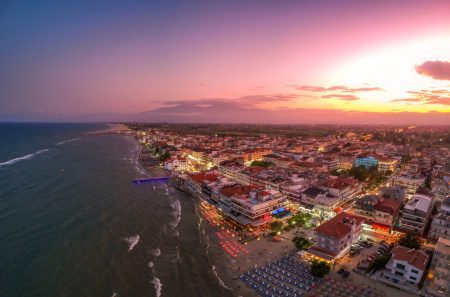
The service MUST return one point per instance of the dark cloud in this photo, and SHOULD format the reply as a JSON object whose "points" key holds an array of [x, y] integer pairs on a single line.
{"points": [[340, 97], [436, 69]]}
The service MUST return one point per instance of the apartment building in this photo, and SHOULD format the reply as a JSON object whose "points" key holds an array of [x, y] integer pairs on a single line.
{"points": [[387, 164], [416, 213], [405, 267], [439, 274], [256, 207], [411, 182], [335, 236], [440, 226]]}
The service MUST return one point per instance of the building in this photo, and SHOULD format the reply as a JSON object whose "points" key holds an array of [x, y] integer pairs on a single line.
{"points": [[397, 193], [386, 164], [255, 154], [416, 213], [335, 236], [256, 207], [440, 227], [366, 161], [441, 185], [310, 195], [410, 182], [405, 267], [386, 212], [439, 274]]}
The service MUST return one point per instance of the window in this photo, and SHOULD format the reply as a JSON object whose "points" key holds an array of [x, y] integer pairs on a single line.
{"points": [[401, 266], [414, 271], [413, 278], [398, 273]]}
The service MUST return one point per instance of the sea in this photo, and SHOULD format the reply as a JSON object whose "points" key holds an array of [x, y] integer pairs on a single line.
{"points": [[72, 223]]}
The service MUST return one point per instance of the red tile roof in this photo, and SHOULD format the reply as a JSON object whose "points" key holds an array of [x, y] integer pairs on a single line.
{"points": [[340, 225], [416, 258], [388, 205]]}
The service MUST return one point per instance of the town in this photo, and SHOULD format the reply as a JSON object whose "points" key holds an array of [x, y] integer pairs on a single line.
{"points": [[366, 204]]}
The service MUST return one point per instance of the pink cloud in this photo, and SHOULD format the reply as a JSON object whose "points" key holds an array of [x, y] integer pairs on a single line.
{"points": [[435, 69], [340, 97], [337, 88]]}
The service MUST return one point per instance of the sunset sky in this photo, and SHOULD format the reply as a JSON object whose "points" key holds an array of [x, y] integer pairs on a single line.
{"points": [[226, 61]]}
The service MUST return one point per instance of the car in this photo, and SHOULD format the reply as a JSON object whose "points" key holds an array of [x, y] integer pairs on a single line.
{"points": [[382, 249], [355, 247]]}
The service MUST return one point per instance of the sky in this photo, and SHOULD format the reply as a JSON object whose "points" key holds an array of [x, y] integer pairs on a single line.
{"points": [[363, 62]]}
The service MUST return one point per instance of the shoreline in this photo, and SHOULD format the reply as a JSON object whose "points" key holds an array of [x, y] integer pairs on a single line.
{"points": [[227, 269], [217, 258]]}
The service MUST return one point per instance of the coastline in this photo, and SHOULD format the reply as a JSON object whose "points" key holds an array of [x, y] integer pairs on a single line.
{"points": [[225, 268], [221, 264]]}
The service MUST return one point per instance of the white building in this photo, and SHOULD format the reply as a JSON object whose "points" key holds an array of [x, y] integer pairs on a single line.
{"points": [[440, 227], [416, 213], [406, 266]]}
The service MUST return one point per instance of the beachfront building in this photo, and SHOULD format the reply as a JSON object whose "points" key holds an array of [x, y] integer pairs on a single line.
{"points": [[366, 161], [439, 274], [440, 227], [335, 236], [195, 181], [406, 267], [416, 213], [254, 207]]}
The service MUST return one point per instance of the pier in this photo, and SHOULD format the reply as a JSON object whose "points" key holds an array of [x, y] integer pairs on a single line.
{"points": [[151, 179]]}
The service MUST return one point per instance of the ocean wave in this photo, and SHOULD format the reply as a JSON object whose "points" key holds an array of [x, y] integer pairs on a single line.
{"points": [[132, 241], [176, 205], [158, 285], [221, 283], [156, 252], [65, 141], [26, 157]]}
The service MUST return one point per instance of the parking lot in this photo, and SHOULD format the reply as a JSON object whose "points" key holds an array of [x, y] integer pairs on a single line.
{"points": [[350, 262]]}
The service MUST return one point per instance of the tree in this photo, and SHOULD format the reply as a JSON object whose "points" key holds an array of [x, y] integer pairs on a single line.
{"points": [[410, 241], [164, 156], [276, 227], [260, 164], [320, 268], [379, 262], [405, 159], [301, 243]]}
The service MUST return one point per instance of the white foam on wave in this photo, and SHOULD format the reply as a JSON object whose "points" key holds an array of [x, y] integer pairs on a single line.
{"points": [[156, 252], [221, 283], [176, 205], [132, 241], [158, 285], [26, 157], [66, 141]]}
